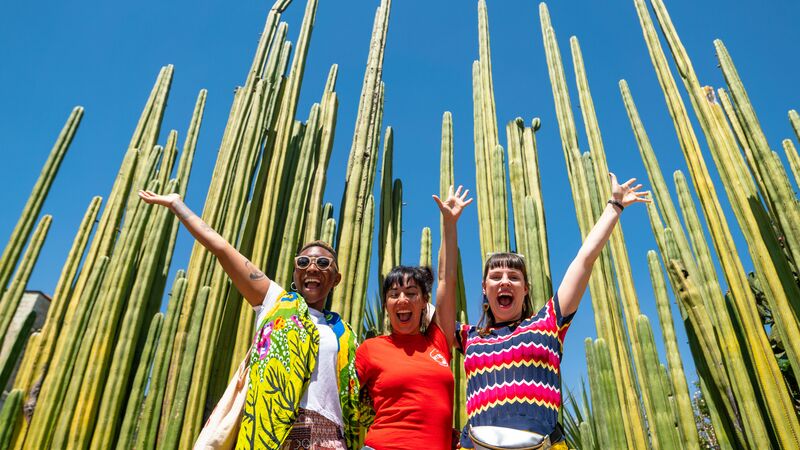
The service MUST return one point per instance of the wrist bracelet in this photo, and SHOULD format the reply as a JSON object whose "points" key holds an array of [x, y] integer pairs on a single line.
{"points": [[617, 204]]}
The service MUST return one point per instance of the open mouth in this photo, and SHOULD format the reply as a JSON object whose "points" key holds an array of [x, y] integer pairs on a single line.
{"points": [[505, 299], [311, 284], [403, 316]]}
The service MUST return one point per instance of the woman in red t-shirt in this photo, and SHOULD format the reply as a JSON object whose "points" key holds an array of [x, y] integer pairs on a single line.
{"points": [[407, 373]]}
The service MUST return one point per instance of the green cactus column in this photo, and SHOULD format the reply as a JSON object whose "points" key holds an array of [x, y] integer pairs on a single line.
{"points": [[489, 156], [175, 412], [57, 382], [447, 179], [680, 388], [32, 208], [140, 383], [13, 295], [387, 258], [147, 425], [361, 164], [715, 314], [722, 368], [607, 314], [425, 248], [772, 268], [607, 411], [39, 355], [773, 392], [663, 419], [793, 157], [9, 416], [784, 201]]}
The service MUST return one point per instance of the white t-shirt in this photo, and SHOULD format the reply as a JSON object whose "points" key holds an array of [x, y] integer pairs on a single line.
{"points": [[322, 395]]}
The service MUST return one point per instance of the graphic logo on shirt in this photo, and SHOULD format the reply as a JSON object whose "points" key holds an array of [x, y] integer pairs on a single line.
{"points": [[438, 357]]}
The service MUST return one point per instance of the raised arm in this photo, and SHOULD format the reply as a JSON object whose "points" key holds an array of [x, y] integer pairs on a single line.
{"points": [[250, 281], [451, 209], [576, 279]]}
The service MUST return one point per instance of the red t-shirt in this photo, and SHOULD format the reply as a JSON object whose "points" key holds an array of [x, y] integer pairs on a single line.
{"points": [[411, 385]]}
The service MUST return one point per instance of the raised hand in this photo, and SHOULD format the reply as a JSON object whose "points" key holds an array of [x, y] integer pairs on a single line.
{"points": [[151, 197], [452, 206], [626, 193]]}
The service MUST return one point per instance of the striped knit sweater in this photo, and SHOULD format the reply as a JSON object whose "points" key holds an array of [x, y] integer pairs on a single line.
{"points": [[513, 373]]}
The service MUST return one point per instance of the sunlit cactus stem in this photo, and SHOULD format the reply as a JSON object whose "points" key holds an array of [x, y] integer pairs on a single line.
{"points": [[13, 295], [425, 249], [33, 206]]}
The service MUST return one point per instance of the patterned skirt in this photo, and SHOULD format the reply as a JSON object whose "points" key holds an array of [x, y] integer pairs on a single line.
{"points": [[313, 431]]}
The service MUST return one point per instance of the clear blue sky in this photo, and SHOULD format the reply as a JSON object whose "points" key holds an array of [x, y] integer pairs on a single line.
{"points": [[105, 56]]}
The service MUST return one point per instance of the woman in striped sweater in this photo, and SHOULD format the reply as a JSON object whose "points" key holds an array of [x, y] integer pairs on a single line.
{"points": [[513, 357]]}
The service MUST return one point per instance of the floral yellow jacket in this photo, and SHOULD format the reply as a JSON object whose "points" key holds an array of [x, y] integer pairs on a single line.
{"points": [[282, 359]]}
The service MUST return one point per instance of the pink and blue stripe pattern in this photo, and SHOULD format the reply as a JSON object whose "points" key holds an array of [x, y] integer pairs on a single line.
{"points": [[514, 373]]}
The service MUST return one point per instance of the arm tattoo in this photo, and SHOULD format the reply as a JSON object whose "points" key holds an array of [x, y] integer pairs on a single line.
{"points": [[182, 211], [255, 274]]}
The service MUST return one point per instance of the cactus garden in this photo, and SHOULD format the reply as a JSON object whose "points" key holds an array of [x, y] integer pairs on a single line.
{"points": [[337, 122]]}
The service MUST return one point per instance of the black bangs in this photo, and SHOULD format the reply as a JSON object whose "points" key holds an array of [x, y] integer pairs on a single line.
{"points": [[505, 261], [399, 275]]}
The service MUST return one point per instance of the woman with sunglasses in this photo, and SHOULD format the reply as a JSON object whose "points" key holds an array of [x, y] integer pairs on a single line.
{"points": [[407, 373], [512, 358], [302, 388]]}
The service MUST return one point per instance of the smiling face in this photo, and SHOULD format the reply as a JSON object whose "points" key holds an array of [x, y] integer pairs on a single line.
{"points": [[405, 305], [315, 284], [506, 289]]}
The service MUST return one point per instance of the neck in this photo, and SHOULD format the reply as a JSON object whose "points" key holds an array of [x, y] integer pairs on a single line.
{"points": [[319, 305]]}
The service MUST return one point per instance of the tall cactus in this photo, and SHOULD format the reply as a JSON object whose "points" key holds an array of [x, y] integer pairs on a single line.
{"points": [[767, 373], [361, 163], [56, 383], [794, 159], [8, 416], [663, 419], [489, 156], [154, 402], [13, 249], [698, 263], [39, 354], [387, 258], [12, 296], [607, 317], [425, 248], [784, 201], [606, 407], [137, 394], [685, 414]]}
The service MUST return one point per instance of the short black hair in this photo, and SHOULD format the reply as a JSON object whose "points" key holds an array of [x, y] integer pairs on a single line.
{"points": [[400, 275], [323, 245]]}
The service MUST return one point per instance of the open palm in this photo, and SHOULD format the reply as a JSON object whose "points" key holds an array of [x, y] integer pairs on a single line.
{"points": [[627, 193], [152, 198], [454, 204]]}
